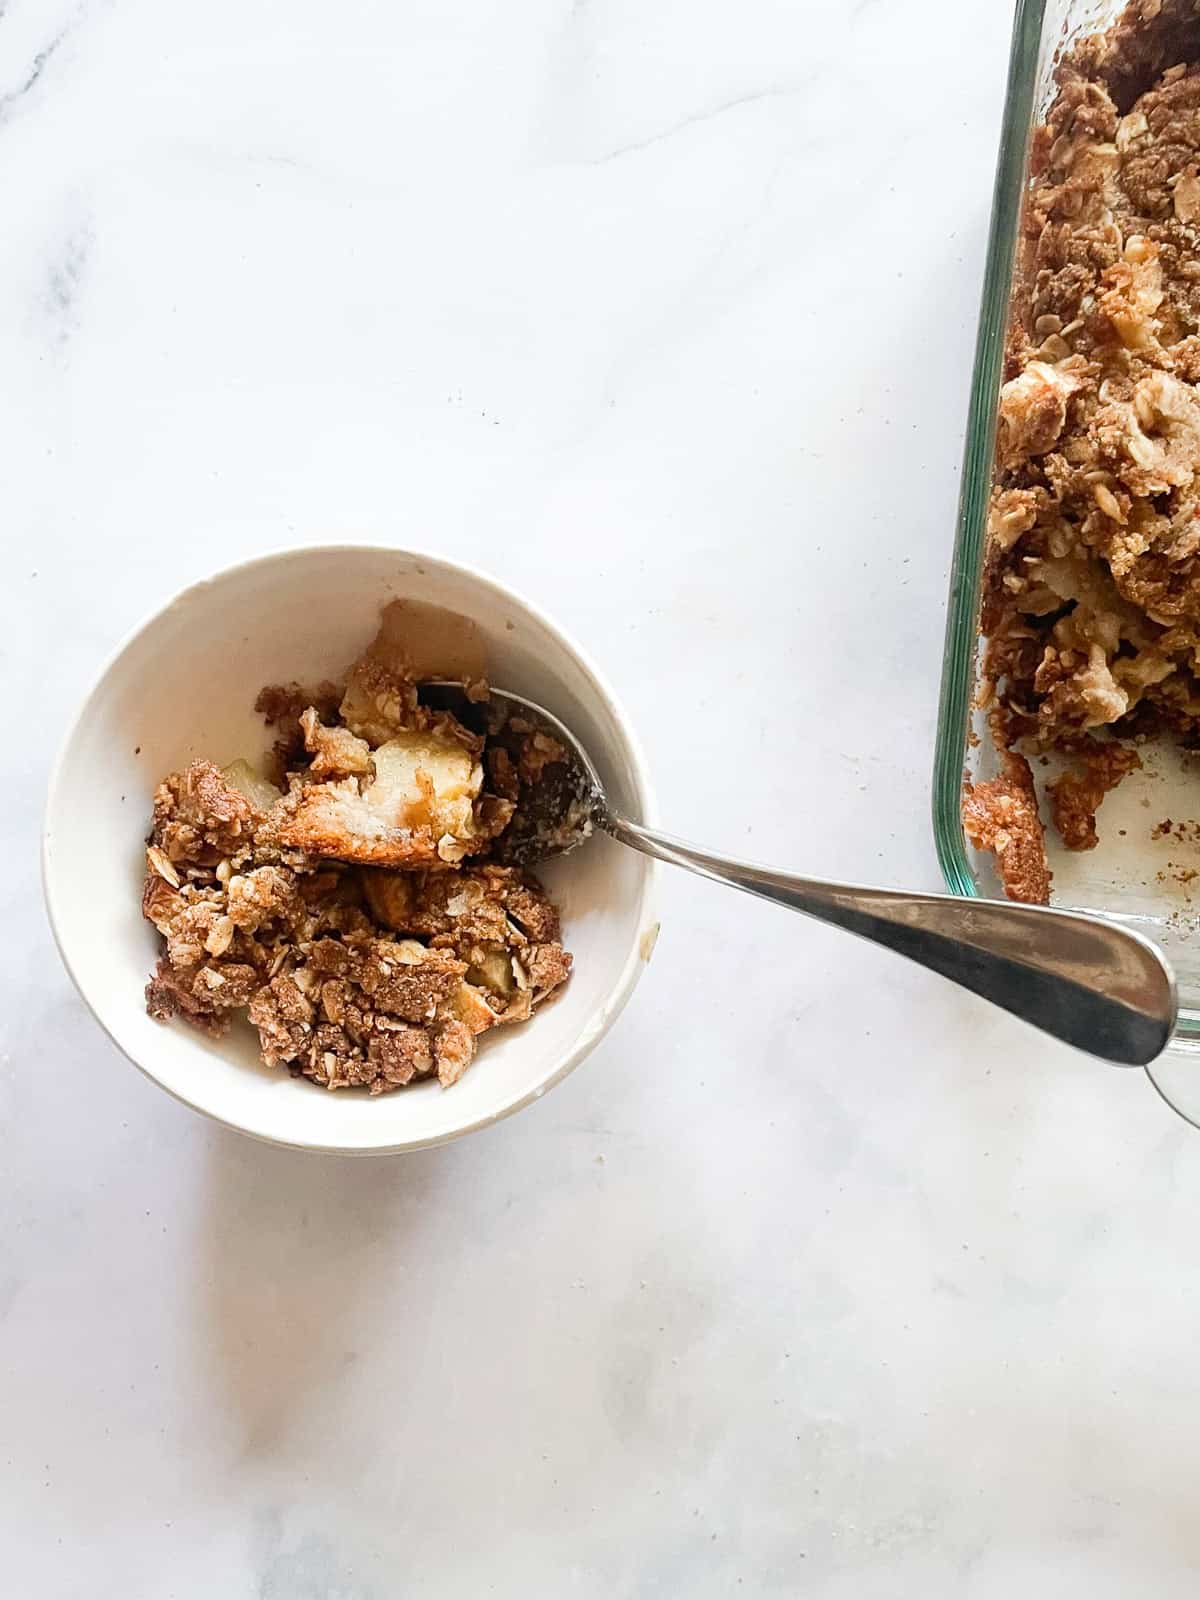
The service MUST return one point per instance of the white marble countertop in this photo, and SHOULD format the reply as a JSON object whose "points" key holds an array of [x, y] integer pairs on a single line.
{"points": [[818, 1278]]}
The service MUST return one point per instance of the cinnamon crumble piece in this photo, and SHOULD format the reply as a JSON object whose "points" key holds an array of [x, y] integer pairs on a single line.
{"points": [[1001, 816], [1076, 796], [281, 707], [278, 905], [1091, 609]]}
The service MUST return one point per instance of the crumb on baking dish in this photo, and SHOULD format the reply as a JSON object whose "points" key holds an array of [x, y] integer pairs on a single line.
{"points": [[1001, 816]]}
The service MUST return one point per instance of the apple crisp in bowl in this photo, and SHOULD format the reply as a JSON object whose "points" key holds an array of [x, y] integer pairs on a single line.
{"points": [[347, 902], [419, 937]]}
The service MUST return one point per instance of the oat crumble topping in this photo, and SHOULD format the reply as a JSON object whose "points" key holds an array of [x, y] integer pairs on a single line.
{"points": [[1091, 609], [351, 911]]}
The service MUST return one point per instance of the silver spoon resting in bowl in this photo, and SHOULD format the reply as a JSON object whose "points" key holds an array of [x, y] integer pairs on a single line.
{"points": [[1100, 987]]}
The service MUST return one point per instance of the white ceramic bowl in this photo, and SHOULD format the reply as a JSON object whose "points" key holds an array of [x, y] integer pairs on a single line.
{"points": [[182, 687]]}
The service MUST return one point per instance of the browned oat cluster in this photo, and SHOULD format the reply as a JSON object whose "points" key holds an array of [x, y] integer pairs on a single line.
{"points": [[1091, 608], [349, 908]]}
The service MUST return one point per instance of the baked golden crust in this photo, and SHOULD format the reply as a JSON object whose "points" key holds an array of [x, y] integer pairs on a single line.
{"points": [[334, 820]]}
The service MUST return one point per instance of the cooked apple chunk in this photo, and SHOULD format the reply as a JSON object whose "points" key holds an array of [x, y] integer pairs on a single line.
{"points": [[429, 782], [417, 808], [240, 775]]}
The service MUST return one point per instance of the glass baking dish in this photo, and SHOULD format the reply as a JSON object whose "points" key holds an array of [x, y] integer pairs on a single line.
{"points": [[1132, 877]]}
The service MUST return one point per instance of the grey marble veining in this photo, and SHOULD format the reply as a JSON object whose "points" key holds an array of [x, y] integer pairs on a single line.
{"points": [[818, 1278]]}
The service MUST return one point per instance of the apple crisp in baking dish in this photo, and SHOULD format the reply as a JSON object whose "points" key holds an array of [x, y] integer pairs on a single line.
{"points": [[1091, 604]]}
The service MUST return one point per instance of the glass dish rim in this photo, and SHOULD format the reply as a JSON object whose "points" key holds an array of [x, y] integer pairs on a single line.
{"points": [[962, 607]]}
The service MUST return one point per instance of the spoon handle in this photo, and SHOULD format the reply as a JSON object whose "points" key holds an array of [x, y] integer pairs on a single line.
{"points": [[1095, 985]]}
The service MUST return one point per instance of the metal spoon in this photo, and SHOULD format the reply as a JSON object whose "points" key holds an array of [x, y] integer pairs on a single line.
{"points": [[1098, 986]]}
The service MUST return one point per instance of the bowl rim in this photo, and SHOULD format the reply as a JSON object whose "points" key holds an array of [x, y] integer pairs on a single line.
{"points": [[646, 923]]}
